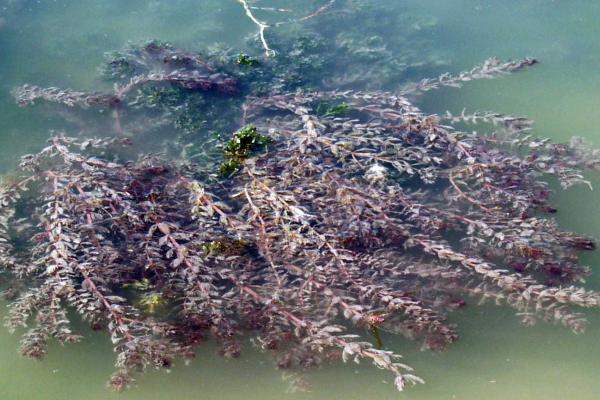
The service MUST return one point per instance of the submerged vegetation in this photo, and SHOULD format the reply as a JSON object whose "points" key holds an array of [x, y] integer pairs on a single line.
{"points": [[243, 143], [325, 217], [244, 59]]}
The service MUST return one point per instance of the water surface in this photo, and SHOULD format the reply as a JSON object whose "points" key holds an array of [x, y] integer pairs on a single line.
{"points": [[62, 42]]}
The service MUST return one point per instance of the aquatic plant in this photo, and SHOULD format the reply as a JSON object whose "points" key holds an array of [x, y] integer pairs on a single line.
{"points": [[243, 143], [325, 109], [363, 211], [244, 59]]}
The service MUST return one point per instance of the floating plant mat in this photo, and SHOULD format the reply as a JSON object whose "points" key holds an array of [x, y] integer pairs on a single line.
{"points": [[310, 220]]}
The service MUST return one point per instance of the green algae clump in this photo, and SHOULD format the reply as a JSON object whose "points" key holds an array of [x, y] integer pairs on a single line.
{"points": [[244, 59], [243, 143]]}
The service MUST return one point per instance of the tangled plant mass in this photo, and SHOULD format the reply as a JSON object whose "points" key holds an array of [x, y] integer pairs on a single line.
{"points": [[369, 213]]}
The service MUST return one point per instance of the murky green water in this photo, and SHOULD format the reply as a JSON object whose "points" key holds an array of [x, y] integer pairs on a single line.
{"points": [[61, 42]]}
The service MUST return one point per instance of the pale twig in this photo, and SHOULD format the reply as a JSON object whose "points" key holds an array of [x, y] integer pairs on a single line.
{"points": [[271, 9], [320, 11], [261, 28]]}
